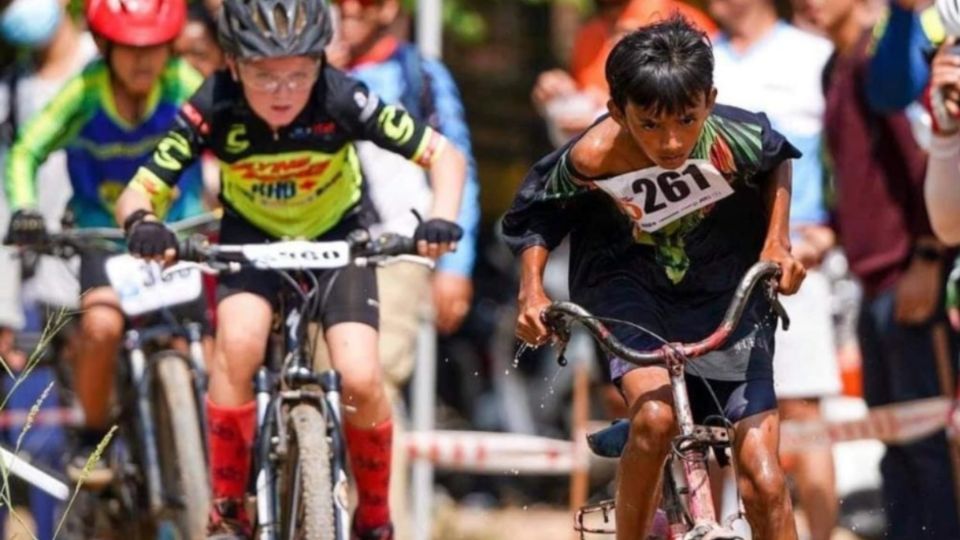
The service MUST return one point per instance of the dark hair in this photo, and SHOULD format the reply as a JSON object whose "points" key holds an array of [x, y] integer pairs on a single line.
{"points": [[197, 12], [666, 66]]}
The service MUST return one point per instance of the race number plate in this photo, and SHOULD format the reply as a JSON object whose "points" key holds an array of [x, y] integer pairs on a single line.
{"points": [[144, 286], [298, 255], [656, 197]]}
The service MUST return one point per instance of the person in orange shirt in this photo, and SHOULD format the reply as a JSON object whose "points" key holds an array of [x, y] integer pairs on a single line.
{"points": [[570, 101]]}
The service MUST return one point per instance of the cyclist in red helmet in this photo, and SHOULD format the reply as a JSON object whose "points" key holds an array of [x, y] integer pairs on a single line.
{"points": [[108, 119]]}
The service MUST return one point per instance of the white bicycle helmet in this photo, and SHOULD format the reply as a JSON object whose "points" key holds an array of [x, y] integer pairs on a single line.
{"points": [[949, 11]]}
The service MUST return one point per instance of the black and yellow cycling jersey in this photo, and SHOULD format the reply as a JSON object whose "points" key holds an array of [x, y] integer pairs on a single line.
{"points": [[298, 181]]}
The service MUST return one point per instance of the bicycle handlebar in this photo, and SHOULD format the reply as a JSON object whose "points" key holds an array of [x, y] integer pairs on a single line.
{"points": [[363, 251], [67, 241], [559, 317]]}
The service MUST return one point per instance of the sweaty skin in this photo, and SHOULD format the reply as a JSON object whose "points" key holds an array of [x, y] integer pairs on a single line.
{"points": [[634, 139]]}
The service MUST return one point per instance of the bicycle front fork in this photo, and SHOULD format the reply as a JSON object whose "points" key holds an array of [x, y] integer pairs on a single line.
{"points": [[330, 382], [266, 485], [694, 460]]}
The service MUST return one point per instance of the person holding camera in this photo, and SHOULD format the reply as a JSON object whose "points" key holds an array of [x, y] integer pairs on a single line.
{"points": [[941, 189]]}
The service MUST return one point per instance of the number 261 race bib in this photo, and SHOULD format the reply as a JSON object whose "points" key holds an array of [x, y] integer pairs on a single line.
{"points": [[656, 197]]}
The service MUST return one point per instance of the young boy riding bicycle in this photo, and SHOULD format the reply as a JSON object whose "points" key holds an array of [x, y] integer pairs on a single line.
{"points": [[282, 122], [668, 200], [107, 118]]}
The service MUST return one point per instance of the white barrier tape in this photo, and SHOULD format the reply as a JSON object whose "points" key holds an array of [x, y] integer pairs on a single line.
{"points": [[33, 475], [60, 416], [510, 453], [897, 423], [493, 453]]}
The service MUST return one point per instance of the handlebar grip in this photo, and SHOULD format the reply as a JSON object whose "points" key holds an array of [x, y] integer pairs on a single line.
{"points": [[389, 245], [194, 248], [551, 317], [386, 245]]}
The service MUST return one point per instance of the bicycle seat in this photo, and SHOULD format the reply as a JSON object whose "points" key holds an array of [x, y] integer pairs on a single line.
{"points": [[610, 441]]}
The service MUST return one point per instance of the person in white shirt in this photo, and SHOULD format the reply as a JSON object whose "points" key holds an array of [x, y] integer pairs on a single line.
{"points": [[58, 49], [765, 64], [942, 186]]}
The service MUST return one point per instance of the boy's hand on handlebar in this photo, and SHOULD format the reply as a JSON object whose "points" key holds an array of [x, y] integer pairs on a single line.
{"points": [[792, 271], [437, 236], [151, 239], [26, 228], [530, 326]]}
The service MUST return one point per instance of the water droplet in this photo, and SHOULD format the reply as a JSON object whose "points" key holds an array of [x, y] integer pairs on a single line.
{"points": [[506, 372], [520, 350], [525, 508], [516, 472], [476, 373]]}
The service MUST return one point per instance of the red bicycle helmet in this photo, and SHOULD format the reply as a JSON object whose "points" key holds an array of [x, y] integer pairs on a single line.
{"points": [[137, 23]]}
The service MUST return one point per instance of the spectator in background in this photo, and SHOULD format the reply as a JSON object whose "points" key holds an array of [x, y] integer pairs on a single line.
{"points": [[571, 101], [900, 68], [53, 49], [883, 226], [198, 43], [396, 71], [942, 188], [199, 46], [213, 6], [751, 73]]}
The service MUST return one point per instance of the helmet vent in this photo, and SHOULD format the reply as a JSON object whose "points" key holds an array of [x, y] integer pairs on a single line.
{"points": [[280, 22], [261, 25], [300, 22]]}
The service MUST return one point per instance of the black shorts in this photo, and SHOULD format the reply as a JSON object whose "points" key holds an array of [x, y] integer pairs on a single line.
{"points": [[351, 292], [715, 403], [731, 400], [93, 274]]}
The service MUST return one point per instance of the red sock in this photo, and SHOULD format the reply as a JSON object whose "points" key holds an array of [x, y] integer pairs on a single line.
{"points": [[370, 456], [231, 439]]}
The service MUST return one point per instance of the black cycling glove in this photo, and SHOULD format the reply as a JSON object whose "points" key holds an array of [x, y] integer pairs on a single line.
{"points": [[148, 238], [26, 228], [438, 231]]}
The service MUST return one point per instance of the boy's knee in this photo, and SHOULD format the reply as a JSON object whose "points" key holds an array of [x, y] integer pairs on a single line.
{"points": [[652, 428], [362, 384], [764, 484], [102, 325]]}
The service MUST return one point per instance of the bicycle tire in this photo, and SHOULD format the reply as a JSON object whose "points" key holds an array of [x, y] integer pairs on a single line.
{"points": [[180, 444], [309, 455]]}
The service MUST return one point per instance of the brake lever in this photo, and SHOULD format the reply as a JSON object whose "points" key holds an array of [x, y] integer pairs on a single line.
{"points": [[561, 335], [775, 303]]}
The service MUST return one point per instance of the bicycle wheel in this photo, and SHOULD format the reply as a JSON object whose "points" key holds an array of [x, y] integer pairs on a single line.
{"points": [[306, 491], [183, 465]]}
